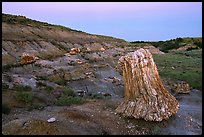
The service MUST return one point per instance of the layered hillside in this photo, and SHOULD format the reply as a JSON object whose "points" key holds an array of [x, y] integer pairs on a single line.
{"points": [[22, 35]]}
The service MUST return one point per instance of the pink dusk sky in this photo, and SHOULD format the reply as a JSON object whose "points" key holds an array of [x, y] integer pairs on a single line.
{"points": [[132, 21]]}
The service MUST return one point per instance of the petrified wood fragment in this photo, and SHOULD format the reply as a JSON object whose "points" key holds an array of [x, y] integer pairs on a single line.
{"points": [[27, 59], [145, 95]]}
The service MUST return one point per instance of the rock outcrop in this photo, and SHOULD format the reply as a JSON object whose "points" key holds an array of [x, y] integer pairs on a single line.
{"points": [[27, 59], [145, 95], [74, 51], [152, 49], [187, 47], [47, 41]]}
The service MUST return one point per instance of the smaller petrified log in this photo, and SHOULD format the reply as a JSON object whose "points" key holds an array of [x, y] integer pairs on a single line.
{"points": [[27, 59], [145, 95], [74, 51], [182, 87]]}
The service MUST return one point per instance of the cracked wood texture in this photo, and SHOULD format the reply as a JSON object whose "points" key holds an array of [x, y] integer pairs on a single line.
{"points": [[145, 94]]}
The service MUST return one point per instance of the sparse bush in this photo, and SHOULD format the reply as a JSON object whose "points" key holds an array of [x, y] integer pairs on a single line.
{"points": [[37, 65], [68, 97], [198, 43], [22, 88], [68, 91], [44, 86], [68, 100], [40, 84], [4, 86], [71, 63], [42, 78], [5, 109], [36, 106], [49, 88], [156, 131], [61, 82], [25, 97], [8, 66], [96, 96], [122, 46], [61, 74]]}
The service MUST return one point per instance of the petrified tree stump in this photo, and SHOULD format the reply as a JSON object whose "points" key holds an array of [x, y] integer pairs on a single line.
{"points": [[145, 95]]}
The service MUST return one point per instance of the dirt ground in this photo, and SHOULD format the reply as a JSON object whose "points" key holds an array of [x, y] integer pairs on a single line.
{"points": [[98, 117]]}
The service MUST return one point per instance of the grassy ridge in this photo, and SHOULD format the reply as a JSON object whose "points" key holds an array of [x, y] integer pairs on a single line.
{"points": [[22, 20], [181, 65], [165, 46]]}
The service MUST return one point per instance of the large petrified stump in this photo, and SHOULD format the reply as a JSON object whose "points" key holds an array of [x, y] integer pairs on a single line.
{"points": [[145, 95]]}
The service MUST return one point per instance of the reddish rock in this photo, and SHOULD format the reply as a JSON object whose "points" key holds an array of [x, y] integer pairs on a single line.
{"points": [[152, 49], [27, 59], [182, 87], [74, 51], [78, 61], [102, 49]]}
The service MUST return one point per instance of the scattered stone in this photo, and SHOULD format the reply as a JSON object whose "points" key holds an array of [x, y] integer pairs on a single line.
{"points": [[78, 61], [74, 51], [102, 49], [81, 93], [187, 47], [89, 75], [67, 54], [181, 87], [51, 120], [105, 94], [25, 81], [130, 126], [116, 81]]}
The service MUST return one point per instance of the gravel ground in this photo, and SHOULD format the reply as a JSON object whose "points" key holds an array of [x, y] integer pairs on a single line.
{"points": [[98, 117]]}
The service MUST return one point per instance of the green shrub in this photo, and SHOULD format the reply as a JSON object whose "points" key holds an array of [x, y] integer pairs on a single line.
{"points": [[68, 91], [22, 88], [8, 66], [49, 88], [4, 86], [61, 82], [68, 100], [122, 46], [36, 106], [97, 96], [40, 84], [5, 109], [156, 131], [44, 86], [42, 78], [198, 43], [24, 96]]}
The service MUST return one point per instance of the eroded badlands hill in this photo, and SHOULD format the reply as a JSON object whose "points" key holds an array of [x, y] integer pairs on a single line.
{"points": [[20, 34]]}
